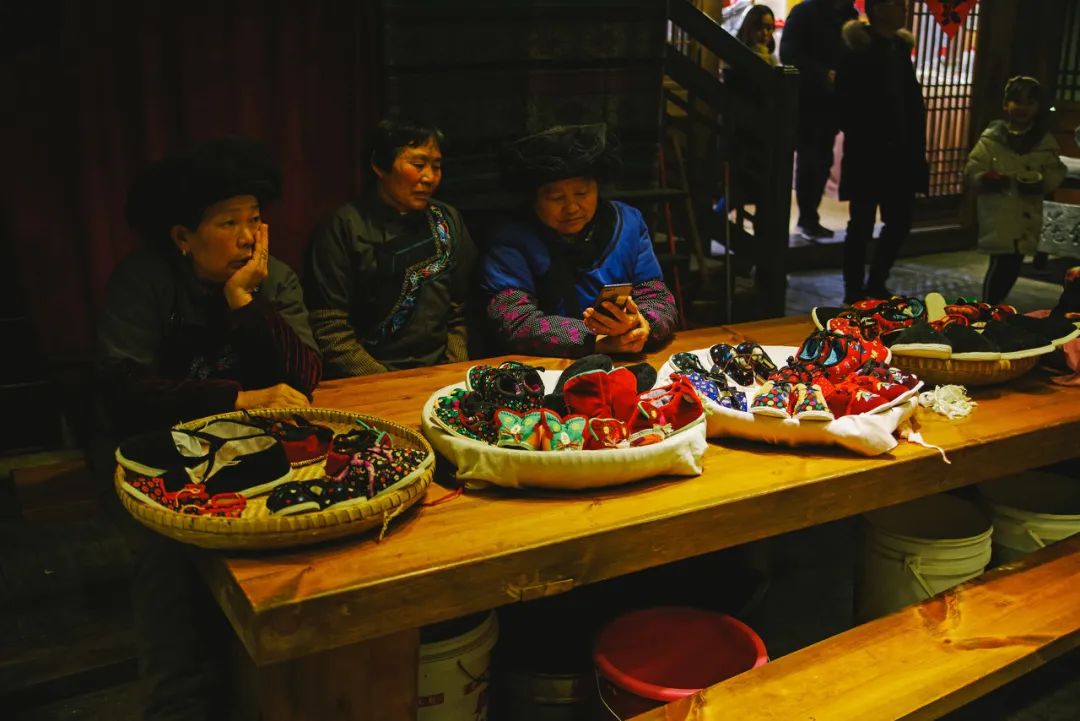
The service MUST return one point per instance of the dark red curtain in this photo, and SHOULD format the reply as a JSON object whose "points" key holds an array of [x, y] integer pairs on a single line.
{"points": [[95, 90]]}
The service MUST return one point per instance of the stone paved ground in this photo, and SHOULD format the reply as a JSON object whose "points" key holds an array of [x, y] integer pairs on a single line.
{"points": [[951, 274]]}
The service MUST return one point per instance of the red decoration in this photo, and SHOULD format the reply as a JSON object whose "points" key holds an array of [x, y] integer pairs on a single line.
{"points": [[950, 14]]}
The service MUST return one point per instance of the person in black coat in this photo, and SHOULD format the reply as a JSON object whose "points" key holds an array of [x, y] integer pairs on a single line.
{"points": [[884, 124], [812, 42]]}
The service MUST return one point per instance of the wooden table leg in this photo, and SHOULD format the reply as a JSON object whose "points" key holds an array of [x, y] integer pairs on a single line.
{"points": [[370, 681]]}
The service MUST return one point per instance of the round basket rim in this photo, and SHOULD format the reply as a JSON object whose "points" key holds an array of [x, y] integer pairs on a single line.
{"points": [[293, 529], [569, 458], [966, 372]]}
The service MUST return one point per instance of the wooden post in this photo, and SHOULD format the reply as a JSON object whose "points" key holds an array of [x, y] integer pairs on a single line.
{"points": [[773, 214], [370, 681]]}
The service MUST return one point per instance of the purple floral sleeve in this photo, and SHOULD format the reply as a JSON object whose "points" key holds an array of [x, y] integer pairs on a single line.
{"points": [[657, 304], [524, 328]]}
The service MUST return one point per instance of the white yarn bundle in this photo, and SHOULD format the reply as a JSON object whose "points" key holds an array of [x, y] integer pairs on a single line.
{"points": [[950, 401]]}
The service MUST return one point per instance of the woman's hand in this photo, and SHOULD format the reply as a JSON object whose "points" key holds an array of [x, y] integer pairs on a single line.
{"points": [[280, 396], [631, 341], [240, 287], [620, 322]]}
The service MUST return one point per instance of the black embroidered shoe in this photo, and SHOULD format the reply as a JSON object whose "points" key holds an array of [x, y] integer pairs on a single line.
{"points": [[1014, 341], [920, 340], [1055, 330], [969, 344]]}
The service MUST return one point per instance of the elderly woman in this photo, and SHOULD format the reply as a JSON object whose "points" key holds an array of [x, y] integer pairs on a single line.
{"points": [[545, 270], [388, 275], [203, 319]]}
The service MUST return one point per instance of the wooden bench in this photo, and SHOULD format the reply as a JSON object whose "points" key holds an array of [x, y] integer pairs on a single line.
{"points": [[920, 662]]}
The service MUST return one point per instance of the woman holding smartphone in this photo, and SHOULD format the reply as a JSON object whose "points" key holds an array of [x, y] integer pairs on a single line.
{"points": [[546, 270]]}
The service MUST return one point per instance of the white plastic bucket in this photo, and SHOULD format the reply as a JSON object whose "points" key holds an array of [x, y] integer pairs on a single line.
{"points": [[454, 675], [547, 696], [915, 550], [1030, 511]]}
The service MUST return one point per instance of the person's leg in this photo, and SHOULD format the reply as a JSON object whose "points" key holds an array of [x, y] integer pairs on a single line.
{"points": [[897, 208], [183, 645], [1068, 304], [1001, 276], [815, 157], [860, 228]]}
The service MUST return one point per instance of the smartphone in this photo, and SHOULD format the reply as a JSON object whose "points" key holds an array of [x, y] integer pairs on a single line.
{"points": [[617, 293]]}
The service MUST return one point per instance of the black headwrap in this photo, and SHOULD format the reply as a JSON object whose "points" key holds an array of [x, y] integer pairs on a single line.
{"points": [[179, 189], [565, 151]]}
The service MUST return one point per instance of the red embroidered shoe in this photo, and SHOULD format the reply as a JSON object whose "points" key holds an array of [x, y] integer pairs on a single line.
{"points": [[850, 398], [604, 433], [601, 394], [677, 402], [645, 426]]}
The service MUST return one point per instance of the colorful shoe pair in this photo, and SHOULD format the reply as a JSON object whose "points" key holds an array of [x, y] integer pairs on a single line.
{"points": [[601, 394], [718, 392], [687, 362], [662, 411], [836, 356], [224, 456], [601, 433], [540, 430], [189, 499], [978, 313], [468, 414], [875, 317], [304, 442], [743, 362], [855, 396], [345, 445], [781, 399], [375, 469], [512, 385]]}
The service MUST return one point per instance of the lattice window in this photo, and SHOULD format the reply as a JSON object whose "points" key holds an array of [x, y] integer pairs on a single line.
{"points": [[1068, 80], [945, 68]]}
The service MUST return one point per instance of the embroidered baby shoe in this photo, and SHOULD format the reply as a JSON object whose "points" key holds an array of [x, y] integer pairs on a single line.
{"points": [[464, 412], [304, 442], [295, 497], [520, 430], [594, 362], [599, 394], [563, 434], [760, 362], [646, 426], [809, 404], [604, 433], [728, 361], [677, 403], [772, 399]]}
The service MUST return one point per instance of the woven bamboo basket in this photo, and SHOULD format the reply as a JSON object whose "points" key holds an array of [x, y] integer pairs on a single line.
{"points": [[964, 372], [259, 529]]}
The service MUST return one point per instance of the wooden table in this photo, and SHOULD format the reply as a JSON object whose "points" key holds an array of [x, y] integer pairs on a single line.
{"points": [[333, 631]]}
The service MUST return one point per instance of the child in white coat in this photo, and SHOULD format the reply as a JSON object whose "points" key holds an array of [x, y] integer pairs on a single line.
{"points": [[1014, 165]]}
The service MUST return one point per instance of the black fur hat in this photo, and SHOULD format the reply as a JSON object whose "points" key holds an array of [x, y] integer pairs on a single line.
{"points": [[565, 151], [179, 189]]}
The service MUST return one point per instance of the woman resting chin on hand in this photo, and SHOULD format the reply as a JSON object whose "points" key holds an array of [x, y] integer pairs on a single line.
{"points": [[202, 320]]}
